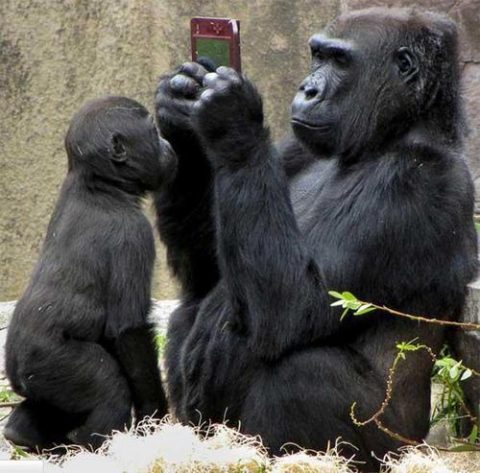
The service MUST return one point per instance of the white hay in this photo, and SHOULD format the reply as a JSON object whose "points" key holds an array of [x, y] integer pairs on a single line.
{"points": [[131, 452], [416, 460], [51, 468], [165, 447], [86, 462], [306, 462]]}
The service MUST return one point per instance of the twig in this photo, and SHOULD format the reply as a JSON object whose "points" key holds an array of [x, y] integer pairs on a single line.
{"points": [[389, 391], [420, 318], [475, 447], [395, 435], [388, 397], [9, 404]]}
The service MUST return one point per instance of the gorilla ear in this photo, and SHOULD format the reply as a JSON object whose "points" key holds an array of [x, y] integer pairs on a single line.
{"points": [[118, 152], [406, 64]]}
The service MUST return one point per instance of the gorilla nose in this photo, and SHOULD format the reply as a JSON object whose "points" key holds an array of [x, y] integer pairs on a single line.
{"points": [[310, 91], [313, 88]]}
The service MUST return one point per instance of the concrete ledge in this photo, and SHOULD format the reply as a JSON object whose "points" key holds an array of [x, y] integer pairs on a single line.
{"points": [[160, 313]]}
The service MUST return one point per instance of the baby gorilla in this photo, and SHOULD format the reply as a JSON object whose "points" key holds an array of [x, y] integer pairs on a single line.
{"points": [[79, 346]]}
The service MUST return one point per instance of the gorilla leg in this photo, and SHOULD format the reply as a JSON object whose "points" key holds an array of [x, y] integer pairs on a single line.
{"points": [[305, 400], [179, 326], [39, 425], [82, 381]]}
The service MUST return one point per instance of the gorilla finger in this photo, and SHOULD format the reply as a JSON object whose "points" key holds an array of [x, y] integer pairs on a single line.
{"points": [[181, 84], [205, 97], [194, 70], [163, 87], [214, 81], [210, 80], [229, 74]]}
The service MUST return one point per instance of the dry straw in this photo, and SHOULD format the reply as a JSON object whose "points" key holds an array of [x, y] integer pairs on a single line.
{"points": [[166, 447]]}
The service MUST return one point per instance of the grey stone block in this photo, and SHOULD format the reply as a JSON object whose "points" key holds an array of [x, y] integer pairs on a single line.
{"points": [[467, 347], [159, 315]]}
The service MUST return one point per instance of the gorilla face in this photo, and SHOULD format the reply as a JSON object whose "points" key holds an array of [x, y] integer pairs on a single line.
{"points": [[316, 107], [115, 140], [142, 155], [367, 87]]}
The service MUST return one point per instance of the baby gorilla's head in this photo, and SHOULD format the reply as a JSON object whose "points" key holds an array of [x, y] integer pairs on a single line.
{"points": [[115, 140]]}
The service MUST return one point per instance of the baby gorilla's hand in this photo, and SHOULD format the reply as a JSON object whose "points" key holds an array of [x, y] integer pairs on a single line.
{"points": [[229, 117]]}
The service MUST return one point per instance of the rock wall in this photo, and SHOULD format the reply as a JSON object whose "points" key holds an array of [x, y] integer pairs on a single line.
{"points": [[55, 54]]}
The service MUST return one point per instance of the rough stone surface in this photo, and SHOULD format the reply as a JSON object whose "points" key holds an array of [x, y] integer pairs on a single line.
{"points": [[471, 88], [54, 55], [159, 315], [469, 344]]}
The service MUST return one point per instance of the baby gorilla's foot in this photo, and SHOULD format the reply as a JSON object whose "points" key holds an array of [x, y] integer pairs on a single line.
{"points": [[37, 427]]}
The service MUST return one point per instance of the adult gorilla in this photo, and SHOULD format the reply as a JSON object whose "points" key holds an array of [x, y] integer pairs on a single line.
{"points": [[387, 216]]}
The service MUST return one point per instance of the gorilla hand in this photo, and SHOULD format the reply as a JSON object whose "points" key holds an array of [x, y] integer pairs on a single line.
{"points": [[175, 97], [229, 117]]}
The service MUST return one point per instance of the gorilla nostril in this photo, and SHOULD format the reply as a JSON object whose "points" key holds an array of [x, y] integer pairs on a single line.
{"points": [[310, 92]]}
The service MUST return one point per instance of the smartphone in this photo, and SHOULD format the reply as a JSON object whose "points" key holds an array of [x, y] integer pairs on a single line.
{"points": [[217, 39]]}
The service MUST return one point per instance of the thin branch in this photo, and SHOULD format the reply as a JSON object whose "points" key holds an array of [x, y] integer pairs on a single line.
{"points": [[389, 391], [396, 436], [420, 318], [9, 404]]}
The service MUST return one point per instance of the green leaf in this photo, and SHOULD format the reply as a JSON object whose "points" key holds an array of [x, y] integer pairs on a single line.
{"points": [[335, 294], [344, 313], [352, 305], [473, 437], [364, 309], [409, 346], [349, 296], [466, 374], [453, 372]]}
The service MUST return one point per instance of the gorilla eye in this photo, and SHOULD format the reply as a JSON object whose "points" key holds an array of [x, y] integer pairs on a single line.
{"points": [[405, 62], [342, 59], [319, 56]]}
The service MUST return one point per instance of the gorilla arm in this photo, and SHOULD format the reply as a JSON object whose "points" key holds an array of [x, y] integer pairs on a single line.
{"points": [[127, 321], [273, 283], [184, 207]]}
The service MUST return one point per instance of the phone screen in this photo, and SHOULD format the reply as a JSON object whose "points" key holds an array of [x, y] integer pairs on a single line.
{"points": [[218, 50], [217, 39]]}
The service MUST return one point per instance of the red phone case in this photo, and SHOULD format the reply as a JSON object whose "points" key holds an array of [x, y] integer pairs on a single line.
{"points": [[226, 29]]}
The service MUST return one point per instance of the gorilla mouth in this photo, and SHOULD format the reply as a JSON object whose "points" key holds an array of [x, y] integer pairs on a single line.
{"points": [[311, 126]]}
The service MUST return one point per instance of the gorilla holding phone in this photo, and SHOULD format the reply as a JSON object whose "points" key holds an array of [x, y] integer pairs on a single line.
{"points": [[371, 195], [80, 348]]}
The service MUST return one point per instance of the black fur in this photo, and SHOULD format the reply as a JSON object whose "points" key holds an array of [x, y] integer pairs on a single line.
{"points": [[79, 347], [258, 234]]}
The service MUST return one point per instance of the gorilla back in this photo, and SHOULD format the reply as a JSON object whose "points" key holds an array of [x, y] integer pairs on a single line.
{"points": [[79, 347], [371, 195]]}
